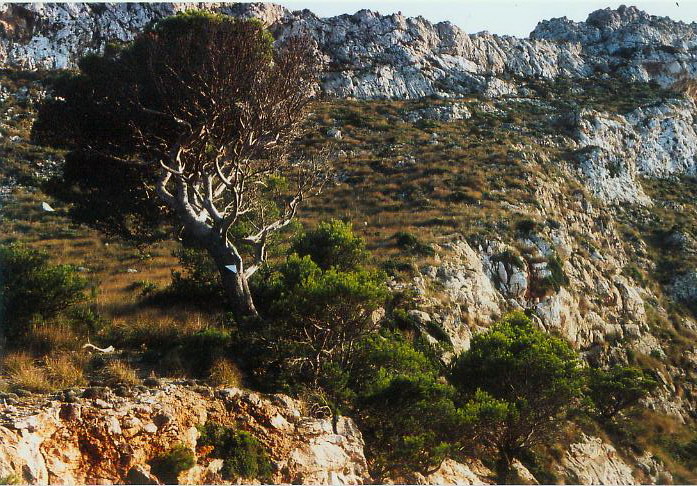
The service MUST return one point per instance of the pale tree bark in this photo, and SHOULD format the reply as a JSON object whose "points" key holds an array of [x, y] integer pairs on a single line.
{"points": [[198, 203]]}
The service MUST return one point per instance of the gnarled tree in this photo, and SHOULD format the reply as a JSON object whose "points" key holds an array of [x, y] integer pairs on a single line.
{"points": [[202, 109]]}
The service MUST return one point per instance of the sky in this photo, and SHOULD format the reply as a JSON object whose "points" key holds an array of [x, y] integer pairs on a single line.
{"points": [[511, 17]]}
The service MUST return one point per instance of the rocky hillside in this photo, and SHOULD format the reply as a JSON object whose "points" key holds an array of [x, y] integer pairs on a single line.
{"points": [[548, 174], [369, 55]]}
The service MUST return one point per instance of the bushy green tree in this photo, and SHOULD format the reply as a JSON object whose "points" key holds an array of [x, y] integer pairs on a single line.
{"points": [[410, 423], [405, 411], [198, 281], [517, 383], [316, 317], [332, 244], [31, 288], [617, 388]]}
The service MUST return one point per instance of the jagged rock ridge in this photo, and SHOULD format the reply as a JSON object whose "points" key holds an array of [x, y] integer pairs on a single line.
{"points": [[369, 55]]}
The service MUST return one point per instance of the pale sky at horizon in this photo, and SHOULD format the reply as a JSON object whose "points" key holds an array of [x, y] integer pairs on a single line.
{"points": [[512, 17]]}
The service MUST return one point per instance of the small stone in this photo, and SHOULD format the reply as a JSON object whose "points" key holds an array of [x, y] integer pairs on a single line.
{"points": [[131, 270], [94, 392], [99, 403], [150, 428], [162, 419], [203, 390], [9, 398], [68, 396], [142, 410], [140, 475], [113, 427], [334, 133], [47, 207], [130, 423], [70, 412], [151, 382], [123, 391]]}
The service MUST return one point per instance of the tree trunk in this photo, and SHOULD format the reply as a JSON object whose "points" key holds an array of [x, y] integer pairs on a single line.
{"points": [[234, 282]]}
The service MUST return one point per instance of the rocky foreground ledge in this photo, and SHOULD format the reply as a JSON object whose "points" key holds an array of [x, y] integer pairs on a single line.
{"points": [[107, 436], [97, 437]]}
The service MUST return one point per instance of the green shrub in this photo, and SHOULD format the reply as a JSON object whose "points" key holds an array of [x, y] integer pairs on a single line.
{"points": [[33, 289], [407, 416], [146, 287], [200, 350], [409, 423], [517, 383], [382, 357], [11, 479], [332, 244], [617, 389], [552, 282], [526, 226], [169, 465], [633, 272], [242, 454]]}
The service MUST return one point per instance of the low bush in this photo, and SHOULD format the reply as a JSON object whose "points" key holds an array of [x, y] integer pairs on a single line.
{"points": [[64, 371], [332, 244], [25, 373], [168, 466], [225, 373], [242, 454], [32, 289], [617, 389], [412, 244]]}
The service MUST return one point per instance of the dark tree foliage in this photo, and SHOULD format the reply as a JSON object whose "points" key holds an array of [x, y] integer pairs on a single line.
{"points": [[169, 465], [199, 114], [410, 424], [316, 317], [617, 389]]}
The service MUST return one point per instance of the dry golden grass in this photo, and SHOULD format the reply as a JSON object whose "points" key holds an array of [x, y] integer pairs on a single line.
{"points": [[225, 373], [24, 373], [119, 372], [154, 328], [65, 371], [44, 339]]}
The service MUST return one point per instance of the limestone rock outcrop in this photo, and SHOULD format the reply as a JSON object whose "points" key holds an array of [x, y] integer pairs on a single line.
{"points": [[102, 441], [591, 461], [369, 55], [655, 141]]}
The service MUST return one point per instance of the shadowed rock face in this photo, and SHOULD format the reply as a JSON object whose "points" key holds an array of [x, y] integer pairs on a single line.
{"points": [[369, 55]]}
